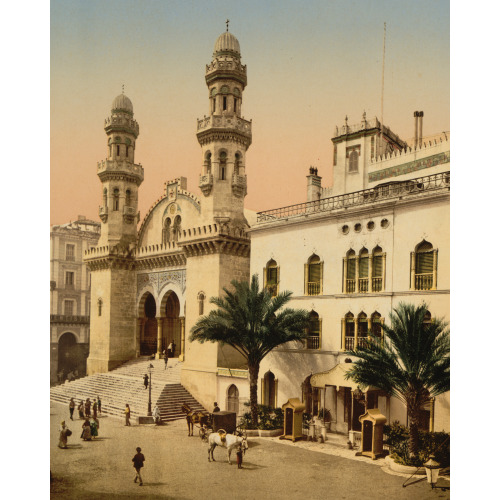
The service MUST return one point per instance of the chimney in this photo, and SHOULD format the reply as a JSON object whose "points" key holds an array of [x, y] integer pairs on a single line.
{"points": [[313, 185], [415, 114]]}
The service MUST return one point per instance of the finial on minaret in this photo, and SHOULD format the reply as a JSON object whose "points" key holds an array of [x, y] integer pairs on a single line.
{"points": [[123, 88], [227, 24]]}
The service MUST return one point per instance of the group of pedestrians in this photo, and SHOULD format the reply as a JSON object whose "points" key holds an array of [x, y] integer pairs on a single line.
{"points": [[87, 411]]}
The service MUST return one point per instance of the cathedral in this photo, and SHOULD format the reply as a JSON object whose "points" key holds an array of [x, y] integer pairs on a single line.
{"points": [[349, 254]]}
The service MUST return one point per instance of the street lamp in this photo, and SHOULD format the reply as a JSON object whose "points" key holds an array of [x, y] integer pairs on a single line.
{"points": [[150, 367], [432, 470]]}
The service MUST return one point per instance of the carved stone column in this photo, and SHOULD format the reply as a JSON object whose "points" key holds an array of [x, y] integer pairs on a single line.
{"points": [[356, 279], [356, 322], [434, 270], [183, 337], [370, 272], [412, 271], [383, 271], [159, 322], [343, 334]]}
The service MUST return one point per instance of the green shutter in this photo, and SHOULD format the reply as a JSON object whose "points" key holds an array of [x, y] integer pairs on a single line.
{"points": [[351, 269], [424, 263], [314, 273], [377, 266], [363, 267], [272, 276]]}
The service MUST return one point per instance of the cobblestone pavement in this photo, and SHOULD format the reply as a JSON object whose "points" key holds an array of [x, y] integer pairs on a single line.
{"points": [[177, 467]]}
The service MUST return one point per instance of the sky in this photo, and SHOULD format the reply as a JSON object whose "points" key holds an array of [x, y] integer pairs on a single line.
{"points": [[309, 64]]}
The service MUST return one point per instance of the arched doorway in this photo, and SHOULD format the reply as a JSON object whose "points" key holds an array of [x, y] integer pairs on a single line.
{"points": [[310, 396], [233, 399], [269, 390], [171, 325], [150, 328], [70, 356]]}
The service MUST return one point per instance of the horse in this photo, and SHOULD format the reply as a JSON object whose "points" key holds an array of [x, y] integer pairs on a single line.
{"points": [[194, 417], [229, 441]]}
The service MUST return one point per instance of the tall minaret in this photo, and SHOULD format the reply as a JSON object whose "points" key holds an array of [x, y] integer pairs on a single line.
{"points": [[112, 263], [224, 135], [120, 176]]}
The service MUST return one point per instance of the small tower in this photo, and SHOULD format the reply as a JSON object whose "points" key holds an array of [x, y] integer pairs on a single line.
{"points": [[224, 135], [112, 262], [120, 177]]}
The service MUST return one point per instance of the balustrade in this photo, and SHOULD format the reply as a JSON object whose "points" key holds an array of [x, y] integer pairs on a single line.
{"points": [[313, 342], [313, 288], [423, 281], [350, 286], [363, 285], [376, 284], [349, 343]]}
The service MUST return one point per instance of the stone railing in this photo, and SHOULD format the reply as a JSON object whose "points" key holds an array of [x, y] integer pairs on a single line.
{"points": [[225, 122], [232, 372], [156, 249], [62, 318], [388, 191], [121, 121], [120, 166], [206, 183], [239, 185], [230, 64]]}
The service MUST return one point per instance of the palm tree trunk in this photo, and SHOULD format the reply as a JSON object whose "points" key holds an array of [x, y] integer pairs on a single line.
{"points": [[414, 441], [253, 370]]}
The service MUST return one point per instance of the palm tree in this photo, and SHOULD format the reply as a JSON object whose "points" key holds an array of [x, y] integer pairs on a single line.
{"points": [[411, 364], [252, 322]]}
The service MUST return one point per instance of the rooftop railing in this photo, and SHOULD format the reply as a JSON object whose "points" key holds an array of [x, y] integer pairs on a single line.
{"points": [[382, 192]]}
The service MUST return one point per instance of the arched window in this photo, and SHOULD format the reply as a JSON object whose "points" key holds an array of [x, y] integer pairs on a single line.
{"points": [[166, 230], [314, 331], [314, 276], [128, 198], [376, 326], [201, 303], [350, 271], [105, 198], [378, 269], [237, 163], [424, 267], [362, 329], [427, 319], [363, 271], [116, 199], [118, 150], [271, 274], [208, 163], [177, 227], [222, 165], [348, 329], [233, 399], [99, 307], [353, 161]]}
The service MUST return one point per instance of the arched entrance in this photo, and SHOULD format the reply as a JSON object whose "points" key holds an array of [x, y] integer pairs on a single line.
{"points": [[70, 356], [150, 327], [310, 396], [269, 390], [233, 399], [171, 331]]}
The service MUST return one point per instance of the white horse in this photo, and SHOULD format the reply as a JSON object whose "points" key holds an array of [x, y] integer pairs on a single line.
{"points": [[231, 442]]}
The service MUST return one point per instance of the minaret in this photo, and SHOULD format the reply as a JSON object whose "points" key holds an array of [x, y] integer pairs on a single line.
{"points": [[224, 135], [218, 250], [120, 176], [112, 262]]}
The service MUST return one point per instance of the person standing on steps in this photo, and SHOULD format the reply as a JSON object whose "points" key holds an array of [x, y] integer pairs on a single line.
{"points": [[172, 352], [99, 405], [80, 410], [87, 408], [94, 410], [169, 350], [146, 381], [71, 408], [138, 461], [157, 415], [127, 414], [165, 358]]}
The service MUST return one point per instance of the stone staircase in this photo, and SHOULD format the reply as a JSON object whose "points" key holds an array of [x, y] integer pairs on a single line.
{"points": [[125, 384]]}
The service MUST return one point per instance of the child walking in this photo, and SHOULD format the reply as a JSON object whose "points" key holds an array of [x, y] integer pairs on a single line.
{"points": [[138, 464], [239, 457]]}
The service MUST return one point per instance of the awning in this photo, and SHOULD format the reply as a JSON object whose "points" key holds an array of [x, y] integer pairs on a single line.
{"points": [[336, 376]]}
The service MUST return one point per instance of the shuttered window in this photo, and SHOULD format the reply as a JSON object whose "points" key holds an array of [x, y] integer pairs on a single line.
{"points": [[314, 273], [351, 269], [363, 267], [272, 275], [377, 266], [425, 261]]}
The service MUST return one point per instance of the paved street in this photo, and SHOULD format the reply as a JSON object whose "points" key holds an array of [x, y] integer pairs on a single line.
{"points": [[177, 467]]}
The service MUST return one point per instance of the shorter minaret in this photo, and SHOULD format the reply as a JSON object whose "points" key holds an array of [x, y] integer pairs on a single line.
{"points": [[120, 176]]}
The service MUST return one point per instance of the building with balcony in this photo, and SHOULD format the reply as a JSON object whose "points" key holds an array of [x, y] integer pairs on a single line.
{"points": [[70, 296], [350, 254]]}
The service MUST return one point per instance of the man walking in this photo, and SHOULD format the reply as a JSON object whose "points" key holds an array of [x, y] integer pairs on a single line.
{"points": [[138, 461], [165, 358], [146, 381], [71, 408], [99, 405]]}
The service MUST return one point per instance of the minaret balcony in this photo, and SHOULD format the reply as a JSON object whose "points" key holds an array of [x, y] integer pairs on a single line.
{"points": [[225, 122], [120, 167], [103, 213], [239, 185], [226, 68], [206, 183], [121, 123]]}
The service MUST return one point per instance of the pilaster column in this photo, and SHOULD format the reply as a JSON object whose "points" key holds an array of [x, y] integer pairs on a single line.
{"points": [[383, 271], [334, 409], [183, 337], [342, 345], [369, 321], [412, 271], [370, 272], [356, 284], [434, 270], [159, 322], [356, 322], [431, 418], [345, 274]]}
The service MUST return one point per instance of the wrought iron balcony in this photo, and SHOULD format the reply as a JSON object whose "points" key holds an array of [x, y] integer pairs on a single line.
{"points": [[350, 286], [363, 285], [376, 284], [313, 342], [393, 190]]}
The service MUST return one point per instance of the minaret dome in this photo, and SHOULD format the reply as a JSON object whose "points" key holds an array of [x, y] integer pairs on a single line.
{"points": [[122, 103], [227, 44]]}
